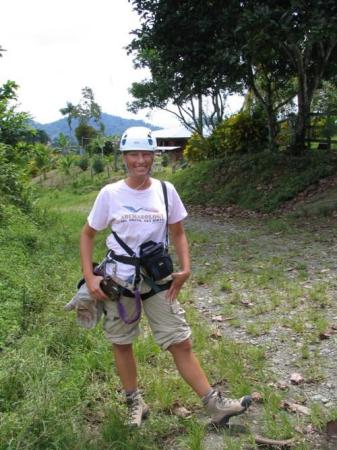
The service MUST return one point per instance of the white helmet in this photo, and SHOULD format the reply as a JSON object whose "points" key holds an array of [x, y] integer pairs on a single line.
{"points": [[138, 138]]}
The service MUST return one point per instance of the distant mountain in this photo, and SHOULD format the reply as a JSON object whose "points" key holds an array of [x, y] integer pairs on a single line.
{"points": [[114, 125]]}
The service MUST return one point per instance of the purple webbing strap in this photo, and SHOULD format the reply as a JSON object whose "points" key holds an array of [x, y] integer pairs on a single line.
{"points": [[138, 309]]}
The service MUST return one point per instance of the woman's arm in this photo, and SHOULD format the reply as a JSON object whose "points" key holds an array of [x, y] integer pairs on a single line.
{"points": [[179, 239], [87, 239]]}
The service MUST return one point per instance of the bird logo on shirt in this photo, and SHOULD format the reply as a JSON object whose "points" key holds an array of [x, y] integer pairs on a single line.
{"points": [[136, 210]]}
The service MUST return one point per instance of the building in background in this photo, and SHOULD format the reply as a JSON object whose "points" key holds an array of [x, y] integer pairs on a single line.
{"points": [[172, 141]]}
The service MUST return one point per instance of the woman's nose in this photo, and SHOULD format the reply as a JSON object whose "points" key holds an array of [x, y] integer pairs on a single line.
{"points": [[140, 157]]}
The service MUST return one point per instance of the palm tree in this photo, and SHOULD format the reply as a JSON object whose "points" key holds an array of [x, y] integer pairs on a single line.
{"points": [[71, 111]]}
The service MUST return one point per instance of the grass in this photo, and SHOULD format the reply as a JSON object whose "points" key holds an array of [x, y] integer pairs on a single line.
{"points": [[58, 385], [261, 181]]}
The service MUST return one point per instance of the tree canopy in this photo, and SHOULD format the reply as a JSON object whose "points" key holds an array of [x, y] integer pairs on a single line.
{"points": [[85, 110], [277, 50], [14, 125]]}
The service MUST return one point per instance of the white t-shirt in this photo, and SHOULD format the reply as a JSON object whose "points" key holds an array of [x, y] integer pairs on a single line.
{"points": [[137, 216]]}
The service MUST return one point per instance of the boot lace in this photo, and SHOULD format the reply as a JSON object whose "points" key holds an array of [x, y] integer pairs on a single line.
{"points": [[223, 401]]}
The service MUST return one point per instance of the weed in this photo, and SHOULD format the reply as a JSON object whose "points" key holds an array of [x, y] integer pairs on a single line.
{"points": [[225, 283], [258, 328], [278, 226], [196, 433], [318, 295], [318, 415], [204, 276], [305, 351]]}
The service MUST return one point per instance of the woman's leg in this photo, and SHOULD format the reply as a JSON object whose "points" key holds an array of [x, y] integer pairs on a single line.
{"points": [[189, 367], [127, 371], [126, 366]]}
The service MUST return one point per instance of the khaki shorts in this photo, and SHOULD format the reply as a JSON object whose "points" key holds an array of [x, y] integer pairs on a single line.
{"points": [[166, 320]]}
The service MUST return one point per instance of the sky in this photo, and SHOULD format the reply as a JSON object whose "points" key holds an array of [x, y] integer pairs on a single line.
{"points": [[57, 47]]}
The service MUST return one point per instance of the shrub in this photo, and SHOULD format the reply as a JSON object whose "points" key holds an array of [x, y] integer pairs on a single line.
{"points": [[165, 160], [197, 148], [83, 163], [240, 133], [98, 165], [13, 184]]}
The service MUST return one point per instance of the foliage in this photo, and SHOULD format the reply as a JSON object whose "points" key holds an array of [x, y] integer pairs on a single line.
{"points": [[35, 136], [165, 160], [240, 133], [98, 165], [84, 111], [13, 182], [13, 125], [84, 134], [212, 45], [325, 99], [258, 181], [197, 148], [83, 163], [66, 162], [42, 158], [62, 142]]}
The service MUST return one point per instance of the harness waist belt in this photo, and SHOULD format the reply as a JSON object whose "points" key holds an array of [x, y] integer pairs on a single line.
{"points": [[133, 260], [159, 288]]}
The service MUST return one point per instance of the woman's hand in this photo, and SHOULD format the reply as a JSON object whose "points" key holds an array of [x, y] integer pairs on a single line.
{"points": [[179, 279], [93, 284]]}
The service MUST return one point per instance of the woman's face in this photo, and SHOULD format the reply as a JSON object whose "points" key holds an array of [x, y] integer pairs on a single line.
{"points": [[138, 162]]}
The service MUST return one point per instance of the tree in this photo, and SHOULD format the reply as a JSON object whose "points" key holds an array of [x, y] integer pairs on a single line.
{"points": [[84, 134], [87, 108], [84, 111], [63, 143], [71, 112], [173, 81], [14, 125], [65, 163], [305, 35], [42, 159], [211, 44], [192, 111]]}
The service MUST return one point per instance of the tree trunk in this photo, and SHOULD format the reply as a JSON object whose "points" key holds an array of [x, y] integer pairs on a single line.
{"points": [[200, 121], [304, 99], [272, 130]]}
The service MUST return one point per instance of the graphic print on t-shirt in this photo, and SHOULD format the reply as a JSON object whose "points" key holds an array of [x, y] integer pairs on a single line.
{"points": [[149, 215]]}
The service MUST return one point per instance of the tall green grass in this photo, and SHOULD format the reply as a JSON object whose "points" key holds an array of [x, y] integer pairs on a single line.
{"points": [[261, 181]]}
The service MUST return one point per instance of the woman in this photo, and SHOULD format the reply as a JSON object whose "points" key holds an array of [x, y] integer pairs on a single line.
{"points": [[135, 210]]}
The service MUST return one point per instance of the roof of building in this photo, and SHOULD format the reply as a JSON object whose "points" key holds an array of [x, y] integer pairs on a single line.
{"points": [[178, 132], [165, 148]]}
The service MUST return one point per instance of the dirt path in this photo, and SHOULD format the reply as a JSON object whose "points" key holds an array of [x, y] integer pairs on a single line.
{"points": [[271, 283]]}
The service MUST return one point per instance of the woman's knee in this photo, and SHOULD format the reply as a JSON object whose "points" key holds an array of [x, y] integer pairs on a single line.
{"points": [[184, 346]]}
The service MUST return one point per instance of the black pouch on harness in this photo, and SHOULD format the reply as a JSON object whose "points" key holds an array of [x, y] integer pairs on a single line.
{"points": [[155, 259], [108, 285]]}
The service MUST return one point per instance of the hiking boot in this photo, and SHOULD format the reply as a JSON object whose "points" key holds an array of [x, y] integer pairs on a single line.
{"points": [[221, 409], [138, 409]]}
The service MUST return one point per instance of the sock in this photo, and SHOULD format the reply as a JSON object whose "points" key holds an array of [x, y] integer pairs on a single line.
{"points": [[130, 395], [206, 397]]}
